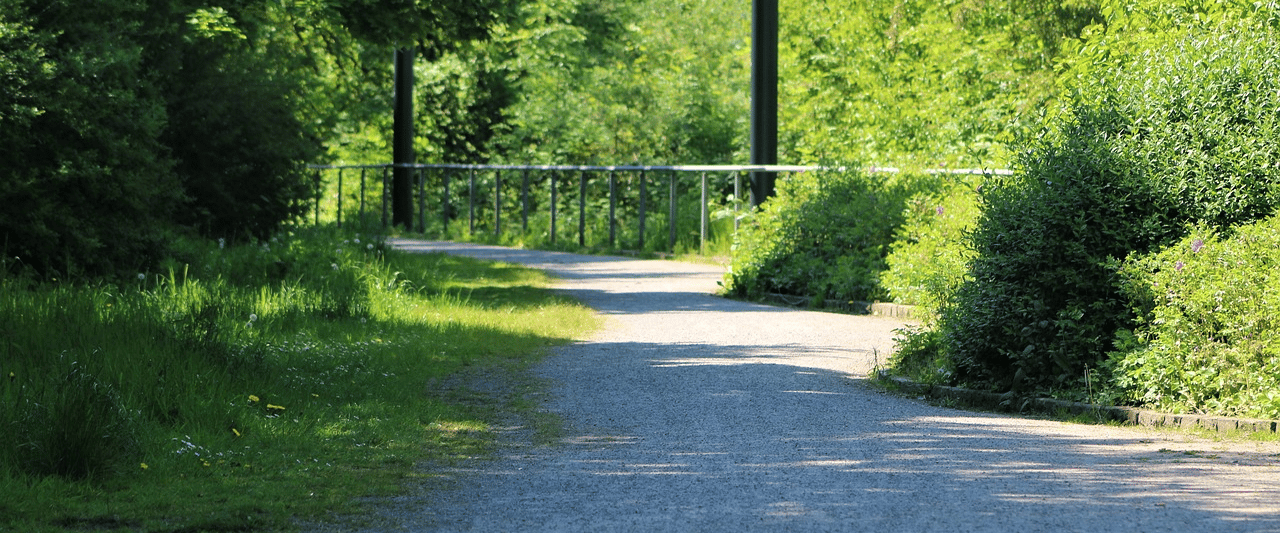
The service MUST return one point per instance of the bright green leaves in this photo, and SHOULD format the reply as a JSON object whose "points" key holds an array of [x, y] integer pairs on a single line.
{"points": [[435, 26], [214, 23], [1207, 310], [610, 82], [932, 83]]}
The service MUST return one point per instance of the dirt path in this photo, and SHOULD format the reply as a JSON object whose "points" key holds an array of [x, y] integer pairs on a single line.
{"points": [[694, 413]]}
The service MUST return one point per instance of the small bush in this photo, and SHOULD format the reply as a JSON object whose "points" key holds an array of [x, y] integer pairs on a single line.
{"points": [[1208, 310], [919, 356], [929, 257], [825, 236]]}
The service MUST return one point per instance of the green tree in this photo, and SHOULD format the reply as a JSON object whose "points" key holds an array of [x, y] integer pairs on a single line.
{"points": [[934, 83], [629, 80], [87, 184]]}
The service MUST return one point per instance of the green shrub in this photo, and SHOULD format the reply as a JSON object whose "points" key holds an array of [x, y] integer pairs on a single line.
{"points": [[919, 357], [929, 257], [1208, 311], [825, 236], [1185, 135], [75, 427]]}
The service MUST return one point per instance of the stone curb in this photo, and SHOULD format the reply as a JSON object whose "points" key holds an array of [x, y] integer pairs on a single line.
{"points": [[1128, 415], [857, 308]]}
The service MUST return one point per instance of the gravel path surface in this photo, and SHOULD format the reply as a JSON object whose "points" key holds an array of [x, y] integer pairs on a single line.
{"points": [[689, 412]]}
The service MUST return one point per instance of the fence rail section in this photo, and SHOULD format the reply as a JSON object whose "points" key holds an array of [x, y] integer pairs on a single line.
{"points": [[486, 183]]}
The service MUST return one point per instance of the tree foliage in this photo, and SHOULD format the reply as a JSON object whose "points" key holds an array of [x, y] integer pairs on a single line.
{"points": [[608, 81], [86, 180], [931, 83], [130, 119]]}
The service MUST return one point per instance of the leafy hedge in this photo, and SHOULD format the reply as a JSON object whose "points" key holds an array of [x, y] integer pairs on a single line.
{"points": [[1208, 308], [928, 258], [1184, 134], [825, 236]]}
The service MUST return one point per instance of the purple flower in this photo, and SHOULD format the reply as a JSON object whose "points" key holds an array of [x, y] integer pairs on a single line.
{"points": [[1196, 245], [1178, 266], [940, 210]]}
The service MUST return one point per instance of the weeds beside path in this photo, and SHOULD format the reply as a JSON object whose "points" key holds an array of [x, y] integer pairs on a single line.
{"points": [[690, 412]]}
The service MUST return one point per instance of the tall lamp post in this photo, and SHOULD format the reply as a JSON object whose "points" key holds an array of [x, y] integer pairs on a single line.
{"points": [[764, 96], [402, 142]]}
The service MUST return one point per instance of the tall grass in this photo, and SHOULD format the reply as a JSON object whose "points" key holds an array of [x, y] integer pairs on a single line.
{"points": [[243, 387]]}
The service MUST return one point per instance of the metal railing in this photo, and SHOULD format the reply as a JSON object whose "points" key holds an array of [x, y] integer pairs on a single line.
{"points": [[556, 176]]}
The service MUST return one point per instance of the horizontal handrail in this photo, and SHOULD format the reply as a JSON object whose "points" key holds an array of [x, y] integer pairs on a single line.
{"points": [[648, 168]]}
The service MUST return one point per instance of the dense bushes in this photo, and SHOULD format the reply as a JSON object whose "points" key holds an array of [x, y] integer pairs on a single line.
{"points": [[1207, 309], [1184, 135], [84, 180], [125, 121], [825, 236], [133, 117]]}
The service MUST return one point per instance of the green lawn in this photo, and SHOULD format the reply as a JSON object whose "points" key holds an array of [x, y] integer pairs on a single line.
{"points": [[256, 388]]}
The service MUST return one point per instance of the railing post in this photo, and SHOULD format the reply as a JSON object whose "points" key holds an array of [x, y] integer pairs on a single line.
{"points": [[582, 209], [671, 230], [339, 198], [421, 176], [553, 206], [318, 194], [497, 203], [706, 218], [524, 203], [643, 201], [471, 202], [446, 205], [363, 172], [385, 171], [737, 198], [613, 207]]}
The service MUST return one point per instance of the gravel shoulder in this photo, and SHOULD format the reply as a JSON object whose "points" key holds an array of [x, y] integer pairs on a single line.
{"points": [[689, 412]]}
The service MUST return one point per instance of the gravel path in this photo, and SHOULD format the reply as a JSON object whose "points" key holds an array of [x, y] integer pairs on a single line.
{"points": [[689, 412]]}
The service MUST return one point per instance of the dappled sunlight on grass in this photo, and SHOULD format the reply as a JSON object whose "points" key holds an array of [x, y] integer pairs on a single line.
{"points": [[248, 402]]}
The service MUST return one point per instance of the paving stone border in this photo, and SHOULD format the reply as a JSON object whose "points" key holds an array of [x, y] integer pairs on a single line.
{"points": [[884, 309], [1128, 415]]}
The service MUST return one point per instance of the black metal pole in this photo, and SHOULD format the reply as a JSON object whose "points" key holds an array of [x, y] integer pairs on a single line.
{"points": [[446, 203], [317, 197], [402, 142], [524, 202], [420, 177], [385, 184], [764, 96], [671, 218], [553, 207], [362, 178]]}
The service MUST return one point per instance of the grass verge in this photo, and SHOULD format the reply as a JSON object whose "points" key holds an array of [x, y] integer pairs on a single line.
{"points": [[255, 388]]}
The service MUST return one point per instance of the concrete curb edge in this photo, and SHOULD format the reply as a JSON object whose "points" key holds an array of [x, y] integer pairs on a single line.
{"points": [[1128, 415]]}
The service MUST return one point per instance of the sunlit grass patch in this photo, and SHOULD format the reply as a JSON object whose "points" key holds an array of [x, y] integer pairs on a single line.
{"points": [[256, 388]]}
